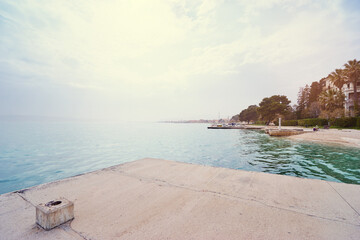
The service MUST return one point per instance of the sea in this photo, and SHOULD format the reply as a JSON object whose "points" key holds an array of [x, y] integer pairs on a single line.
{"points": [[33, 152]]}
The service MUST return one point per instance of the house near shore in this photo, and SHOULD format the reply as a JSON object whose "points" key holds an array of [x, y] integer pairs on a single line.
{"points": [[348, 90]]}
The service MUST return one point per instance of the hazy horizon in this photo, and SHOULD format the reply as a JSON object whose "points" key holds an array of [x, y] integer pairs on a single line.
{"points": [[166, 60]]}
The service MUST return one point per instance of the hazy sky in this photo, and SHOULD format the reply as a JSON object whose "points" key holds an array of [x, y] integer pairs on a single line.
{"points": [[162, 60]]}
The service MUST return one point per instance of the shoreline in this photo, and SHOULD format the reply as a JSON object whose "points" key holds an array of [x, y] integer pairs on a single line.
{"points": [[339, 137], [346, 138]]}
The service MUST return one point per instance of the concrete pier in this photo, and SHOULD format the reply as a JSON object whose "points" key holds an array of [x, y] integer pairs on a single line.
{"points": [[160, 199], [284, 132]]}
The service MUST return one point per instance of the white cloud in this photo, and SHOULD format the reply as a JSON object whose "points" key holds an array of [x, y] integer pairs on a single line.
{"points": [[99, 37], [159, 49], [309, 32]]}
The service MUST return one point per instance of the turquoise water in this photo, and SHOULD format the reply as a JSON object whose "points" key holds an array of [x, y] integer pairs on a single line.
{"points": [[32, 152]]}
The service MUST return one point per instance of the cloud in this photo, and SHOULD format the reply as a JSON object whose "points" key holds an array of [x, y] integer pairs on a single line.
{"points": [[93, 41], [312, 31], [157, 50]]}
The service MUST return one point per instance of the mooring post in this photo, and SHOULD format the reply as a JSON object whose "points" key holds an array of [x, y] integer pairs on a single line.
{"points": [[279, 123], [54, 213]]}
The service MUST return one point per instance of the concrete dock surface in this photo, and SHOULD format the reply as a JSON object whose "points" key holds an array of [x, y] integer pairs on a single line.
{"points": [[160, 199]]}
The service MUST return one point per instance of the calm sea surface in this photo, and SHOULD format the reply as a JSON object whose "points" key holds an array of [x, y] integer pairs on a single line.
{"points": [[33, 152]]}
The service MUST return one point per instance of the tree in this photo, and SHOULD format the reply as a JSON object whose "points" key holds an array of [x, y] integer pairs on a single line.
{"points": [[337, 113], [332, 99], [314, 110], [291, 113], [235, 118], [315, 90], [272, 106], [303, 101], [249, 114], [337, 77], [352, 73]]}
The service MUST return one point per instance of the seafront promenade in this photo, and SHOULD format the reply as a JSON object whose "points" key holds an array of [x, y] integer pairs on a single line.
{"points": [[161, 199]]}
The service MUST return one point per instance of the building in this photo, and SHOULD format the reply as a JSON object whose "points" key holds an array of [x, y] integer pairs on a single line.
{"points": [[348, 90]]}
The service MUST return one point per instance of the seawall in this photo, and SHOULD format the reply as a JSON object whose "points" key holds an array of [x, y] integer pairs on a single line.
{"points": [[160, 199]]}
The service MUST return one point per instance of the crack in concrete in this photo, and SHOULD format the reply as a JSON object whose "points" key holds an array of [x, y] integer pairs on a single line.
{"points": [[154, 180], [23, 197], [68, 227], [344, 199], [220, 194]]}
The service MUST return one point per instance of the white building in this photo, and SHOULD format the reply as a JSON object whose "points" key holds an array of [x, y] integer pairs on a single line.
{"points": [[348, 90]]}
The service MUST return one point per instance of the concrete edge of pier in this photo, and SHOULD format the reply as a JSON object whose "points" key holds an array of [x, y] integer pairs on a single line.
{"points": [[161, 199]]}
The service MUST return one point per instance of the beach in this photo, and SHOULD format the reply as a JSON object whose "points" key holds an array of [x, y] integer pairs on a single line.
{"points": [[344, 137]]}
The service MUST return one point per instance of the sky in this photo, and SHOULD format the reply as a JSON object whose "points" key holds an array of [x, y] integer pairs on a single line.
{"points": [[166, 60]]}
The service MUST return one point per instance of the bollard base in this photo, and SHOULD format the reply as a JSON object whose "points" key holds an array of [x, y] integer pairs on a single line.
{"points": [[52, 214]]}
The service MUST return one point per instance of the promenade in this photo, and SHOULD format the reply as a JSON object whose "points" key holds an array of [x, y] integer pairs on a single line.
{"points": [[161, 199]]}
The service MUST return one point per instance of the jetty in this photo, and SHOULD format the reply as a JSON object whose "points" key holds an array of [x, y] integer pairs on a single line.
{"points": [[284, 132], [161, 199]]}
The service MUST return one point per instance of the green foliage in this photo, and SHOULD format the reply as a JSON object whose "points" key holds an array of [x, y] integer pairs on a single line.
{"points": [[347, 122], [234, 118], [287, 122], [315, 90], [310, 122], [337, 78], [303, 101], [350, 74], [272, 106], [260, 123], [332, 99], [314, 110], [336, 113], [249, 114]]}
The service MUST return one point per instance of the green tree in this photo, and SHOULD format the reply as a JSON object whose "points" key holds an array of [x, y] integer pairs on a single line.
{"points": [[303, 101], [337, 77], [291, 113], [249, 114], [314, 110], [275, 105], [352, 73], [235, 118], [315, 90], [332, 99]]}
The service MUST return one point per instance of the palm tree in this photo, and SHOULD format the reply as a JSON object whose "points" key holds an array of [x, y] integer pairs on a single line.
{"points": [[352, 73], [337, 77], [332, 99]]}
